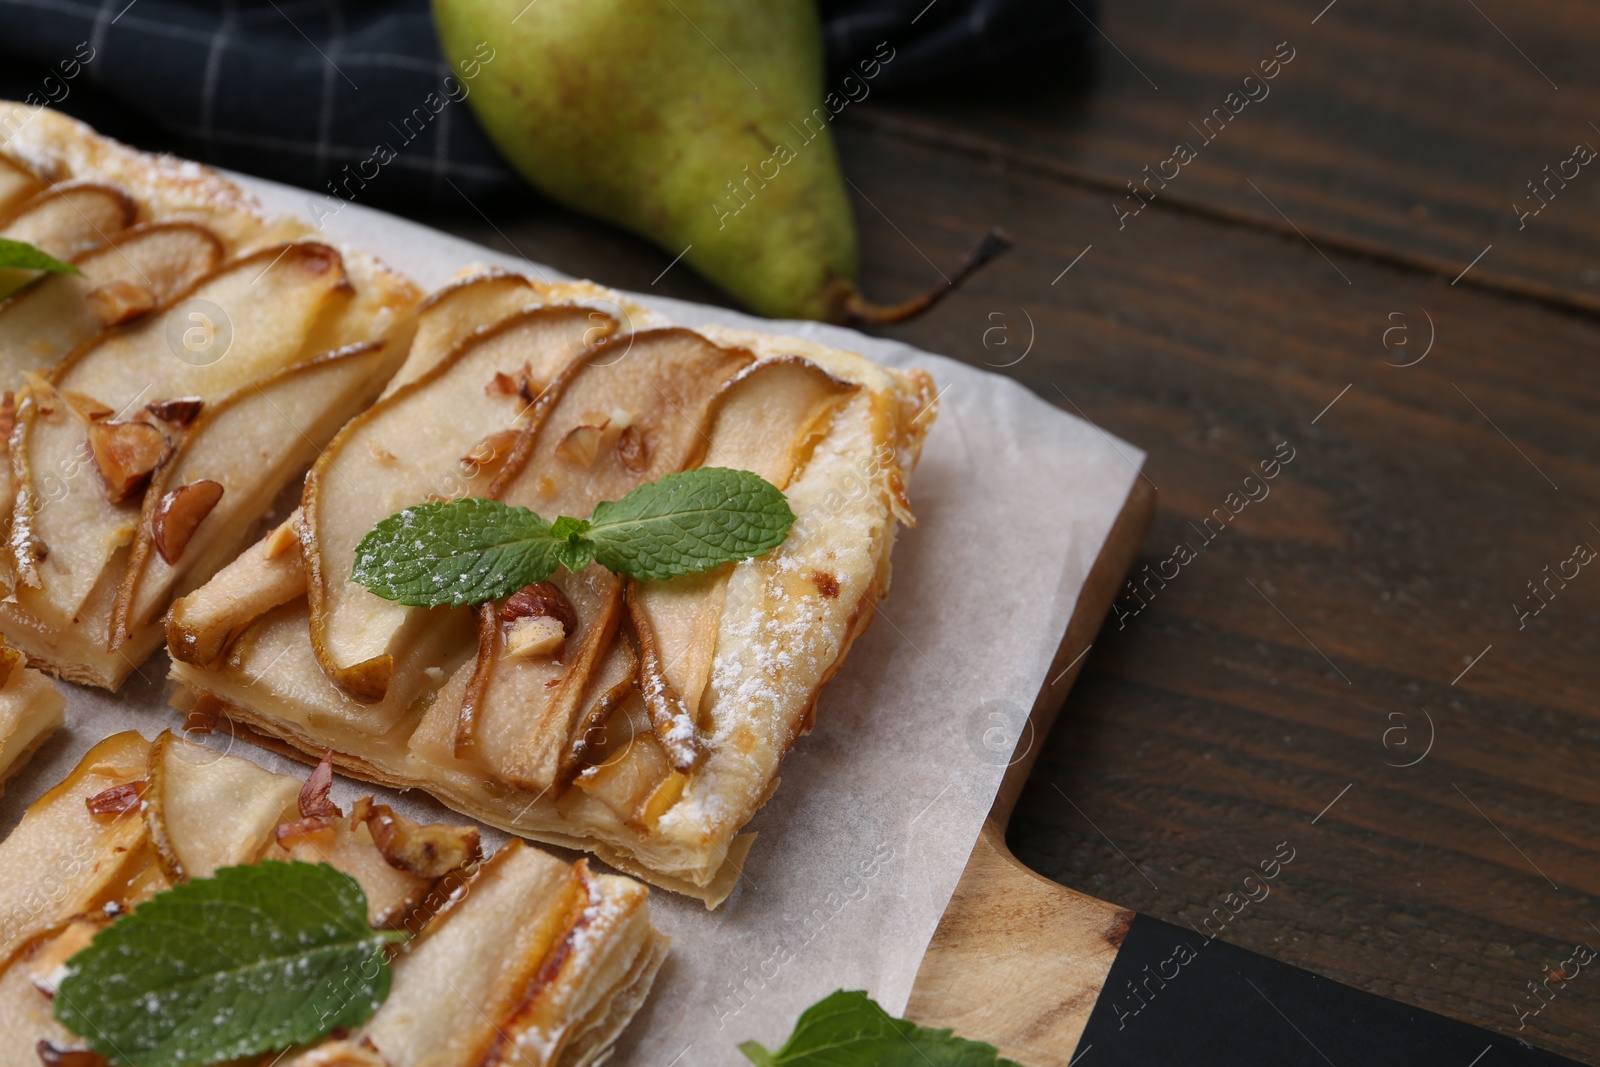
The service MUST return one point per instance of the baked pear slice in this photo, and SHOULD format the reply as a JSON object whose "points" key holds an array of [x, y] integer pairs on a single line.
{"points": [[767, 420], [202, 625], [616, 423], [464, 307], [65, 220], [140, 270], [17, 184], [444, 435], [206, 810], [508, 972], [31, 710], [226, 468], [63, 859], [76, 506], [71, 217]]}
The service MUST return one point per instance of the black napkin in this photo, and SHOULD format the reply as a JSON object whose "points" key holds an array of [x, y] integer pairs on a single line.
{"points": [[297, 90]]}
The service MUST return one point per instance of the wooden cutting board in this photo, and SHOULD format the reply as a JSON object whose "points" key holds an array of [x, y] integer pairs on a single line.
{"points": [[1049, 948]]}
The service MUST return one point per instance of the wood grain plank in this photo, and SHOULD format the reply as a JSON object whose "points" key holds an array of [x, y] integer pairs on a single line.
{"points": [[1406, 130]]}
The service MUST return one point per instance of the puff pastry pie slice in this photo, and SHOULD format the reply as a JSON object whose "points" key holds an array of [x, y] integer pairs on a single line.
{"points": [[518, 958], [30, 711], [650, 728], [155, 404]]}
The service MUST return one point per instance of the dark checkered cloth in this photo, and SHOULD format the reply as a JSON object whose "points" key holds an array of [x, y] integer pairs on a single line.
{"points": [[296, 89]]}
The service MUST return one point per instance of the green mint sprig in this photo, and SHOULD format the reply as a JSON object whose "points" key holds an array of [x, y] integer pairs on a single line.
{"points": [[473, 550], [20, 255], [845, 1029], [251, 960]]}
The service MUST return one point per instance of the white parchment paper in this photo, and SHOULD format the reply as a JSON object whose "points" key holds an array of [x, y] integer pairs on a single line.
{"points": [[862, 846]]}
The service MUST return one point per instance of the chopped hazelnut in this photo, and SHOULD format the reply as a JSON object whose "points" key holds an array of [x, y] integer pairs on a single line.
{"points": [[541, 599], [126, 453], [426, 851], [519, 384], [51, 1056], [580, 444], [179, 513], [117, 799], [283, 537], [289, 832], [43, 394], [632, 451], [314, 800], [539, 636], [179, 411]]}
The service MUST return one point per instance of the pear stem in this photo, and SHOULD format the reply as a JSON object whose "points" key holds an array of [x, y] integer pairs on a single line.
{"points": [[859, 309]]}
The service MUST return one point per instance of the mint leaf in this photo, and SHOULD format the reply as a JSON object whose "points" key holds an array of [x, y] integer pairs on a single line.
{"points": [[847, 1029], [575, 550], [20, 255], [688, 522], [251, 960], [473, 550], [456, 552]]}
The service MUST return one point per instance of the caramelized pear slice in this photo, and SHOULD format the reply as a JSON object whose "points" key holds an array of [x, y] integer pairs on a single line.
{"points": [[427, 851], [636, 780], [30, 711], [70, 218], [17, 184], [567, 1008], [528, 745], [248, 446], [66, 860], [202, 625], [465, 307], [419, 443], [473, 965], [205, 809], [259, 311], [42, 324], [521, 713], [610, 684], [767, 420]]}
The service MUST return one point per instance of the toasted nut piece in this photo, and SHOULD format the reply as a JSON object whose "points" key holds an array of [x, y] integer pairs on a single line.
{"points": [[540, 636], [284, 536], [87, 407], [126, 453], [314, 794], [179, 411], [117, 799], [518, 384], [287, 833], [51, 1056], [179, 513], [426, 851], [540, 599], [581, 444], [120, 301], [632, 450], [8, 413], [44, 395]]}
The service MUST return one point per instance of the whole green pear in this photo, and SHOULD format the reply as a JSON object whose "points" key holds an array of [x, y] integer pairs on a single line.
{"points": [[698, 124]]}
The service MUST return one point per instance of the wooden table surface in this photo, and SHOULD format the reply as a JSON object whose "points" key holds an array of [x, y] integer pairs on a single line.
{"points": [[1352, 663]]}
